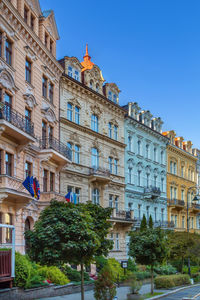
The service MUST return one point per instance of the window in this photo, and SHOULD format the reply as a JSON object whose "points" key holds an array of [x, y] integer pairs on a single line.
{"points": [[69, 111], [148, 176], [8, 161], [28, 71], [44, 131], [1, 153], [115, 98], [26, 15], [175, 221], [111, 201], [78, 194], [51, 46], [97, 87], [147, 151], [32, 22], [116, 166], [155, 214], [162, 184], [130, 170], [155, 154], [171, 167], [110, 130], [139, 147], [50, 133], [0, 44], [76, 75], [155, 180], [129, 143], [8, 106], [70, 73], [28, 167], [117, 241], [95, 158], [51, 92], [95, 196], [52, 176], [110, 95], [91, 84], [44, 87], [182, 171], [27, 120], [110, 164], [77, 115], [162, 215], [116, 132], [192, 225], [162, 157], [139, 211], [77, 154], [183, 222], [45, 174], [46, 40], [175, 193], [8, 52], [112, 238], [94, 123], [8, 221], [175, 168], [69, 145], [147, 209], [139, 178], [117, 203], [182, 195], [172, 218]]}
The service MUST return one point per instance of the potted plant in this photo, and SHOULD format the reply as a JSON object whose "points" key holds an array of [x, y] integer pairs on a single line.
{"points": [[135, 286]]}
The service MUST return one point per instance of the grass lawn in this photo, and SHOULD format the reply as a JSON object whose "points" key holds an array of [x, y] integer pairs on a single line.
{"points": [[149, 295]]}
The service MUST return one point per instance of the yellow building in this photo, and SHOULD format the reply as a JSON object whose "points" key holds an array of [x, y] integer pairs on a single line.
{"points": [[181, 183]]}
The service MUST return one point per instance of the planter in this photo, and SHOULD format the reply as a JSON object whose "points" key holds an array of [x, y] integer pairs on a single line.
{"points": [[134, 297]]}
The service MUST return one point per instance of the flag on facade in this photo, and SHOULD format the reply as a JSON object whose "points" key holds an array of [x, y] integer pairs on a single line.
{"points": [[74, 198], [69, 197], [28, 184], [36, 188]]}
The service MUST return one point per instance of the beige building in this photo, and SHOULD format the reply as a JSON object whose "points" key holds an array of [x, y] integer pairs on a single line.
{"points": [[29, 113], [92, 125]]}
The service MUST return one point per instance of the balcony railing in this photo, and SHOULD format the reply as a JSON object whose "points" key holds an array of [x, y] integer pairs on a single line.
{"points": [[122, 215], [99, 171], [162, 224], [55, 144], [15, 118], [152, 191], [195, 205], [176, 202]]}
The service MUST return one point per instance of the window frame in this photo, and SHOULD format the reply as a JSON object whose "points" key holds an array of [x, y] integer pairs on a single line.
{"points": [[8, 51], [44, 86], [28, 70], [95, 123]]}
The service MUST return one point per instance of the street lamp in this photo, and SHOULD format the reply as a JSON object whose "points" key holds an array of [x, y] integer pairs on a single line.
{"points": [[196, 198]]}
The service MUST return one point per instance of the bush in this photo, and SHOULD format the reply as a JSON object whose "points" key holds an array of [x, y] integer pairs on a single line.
{"points": [[36, 281], [143, 275], [131, 265], [116, 270], [164, 270], [170, 281], [196, 277], [194, 269], [135, 285], [105, 288], [74, 275], [101, 261], [22, 270], [53, 274]]}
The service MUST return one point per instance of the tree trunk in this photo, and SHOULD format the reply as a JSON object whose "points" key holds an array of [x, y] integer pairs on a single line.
{"points": [[82, 282], [152, 279]]}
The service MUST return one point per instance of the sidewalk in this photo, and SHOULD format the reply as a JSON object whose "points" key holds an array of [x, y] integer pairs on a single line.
{"points": [[121, 294]]}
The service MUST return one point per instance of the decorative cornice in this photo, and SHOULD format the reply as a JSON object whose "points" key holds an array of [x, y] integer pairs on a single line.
{"points": [[181, 152]]}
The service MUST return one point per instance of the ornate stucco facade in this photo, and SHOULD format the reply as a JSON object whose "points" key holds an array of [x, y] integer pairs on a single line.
{"points": [[92, 125], [29, 113], [145, 166], [181, 177]]}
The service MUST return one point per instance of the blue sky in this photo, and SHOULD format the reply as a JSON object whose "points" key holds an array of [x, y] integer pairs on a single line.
{"points": [[149, 48]]}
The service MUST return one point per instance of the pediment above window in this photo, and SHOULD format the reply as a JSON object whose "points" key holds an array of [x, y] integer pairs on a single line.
{"points": [[113, 152], [7, 81], [95, 109], [74, 137], [30, 100], [131, 162], [114, 122], [49, 114], [74, 101]]}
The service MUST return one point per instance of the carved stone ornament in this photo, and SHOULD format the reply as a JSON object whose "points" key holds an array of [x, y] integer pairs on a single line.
{"points": [[95, 109], [95, 144], [131, 162], [113, 152], [114, 122], [30, 53], [74, 137], [74, 101], [30, 100], [7, 81], [48, 113]]}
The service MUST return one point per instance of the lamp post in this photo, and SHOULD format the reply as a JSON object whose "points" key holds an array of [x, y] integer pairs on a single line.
{"points": [[196, 198]]}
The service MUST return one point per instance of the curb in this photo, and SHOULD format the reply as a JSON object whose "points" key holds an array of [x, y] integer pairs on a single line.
{"points": [[174, 291]]}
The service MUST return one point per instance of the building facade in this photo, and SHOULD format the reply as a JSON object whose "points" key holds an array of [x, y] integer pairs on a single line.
{"points": [[29, 114], [145, 166], [181, 183], [92, 125]]}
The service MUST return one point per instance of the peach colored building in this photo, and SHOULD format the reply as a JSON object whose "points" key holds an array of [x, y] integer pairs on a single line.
{"points": [[29, 113]]}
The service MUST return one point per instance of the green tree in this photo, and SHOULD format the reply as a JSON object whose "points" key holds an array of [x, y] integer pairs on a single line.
{"points": [[148, 247], [150, 222], [104, 288], [143, 225], [68, 233]]}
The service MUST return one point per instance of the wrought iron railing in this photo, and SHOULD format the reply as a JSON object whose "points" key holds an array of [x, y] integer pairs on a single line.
{"points": [[16, 119], [196, 206], [99, 171], [152, 190], [55, 144], [122, 214], [162, 224], [176, 202]]}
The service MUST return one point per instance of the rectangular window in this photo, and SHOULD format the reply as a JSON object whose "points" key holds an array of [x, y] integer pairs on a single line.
{"points": [[46, 39], [183, 222], [27, 120], [69, 111], [182, 195], [95, 158], [182, 171], [175, 221], [117, 203], [52, 178], [69, 188], [116, 166], [117, 241], [77, 115], [129, 143], [155, 214], [171, 192], [8, 106], [110, 130], [77, 154], [51, 46], [28, 169], [28, 71], [1, 153], [112, 238], [94, 123], [111, 201], [155, 181], [50, 134], [32, 22], [139, 211], [139, 147], [175, 193], [175, 169], [139, 178], [110, 95], [51, 92], [130, 175], [171, 167], [44, 131], [8, 161], [44, 87], [78, 194], [26, 15], [76, 75], [110, 164], [116, 132], [70, 73], [45, 176], [162, 215], [0, 44], [162, 184], [148, 175], [8, 52], [147, 208]]}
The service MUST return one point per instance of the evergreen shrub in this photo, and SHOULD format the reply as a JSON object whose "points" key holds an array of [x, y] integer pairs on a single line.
{"points": [[170, 281]]}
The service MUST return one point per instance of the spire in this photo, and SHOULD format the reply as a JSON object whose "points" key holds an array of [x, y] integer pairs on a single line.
{"points": [[87, 64]]}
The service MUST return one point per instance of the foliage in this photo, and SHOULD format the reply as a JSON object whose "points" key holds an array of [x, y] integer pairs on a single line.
{"points": [[143, 275], [135, 285], [104, 288], [149, 295], [196, 277], [101, 261], [53, 274], [163, 269], [36, 281], [73, 274], [193, 269], [170, 281], [22, 270], [116, 270], [150, 222], [131, 265], [143, 225]]}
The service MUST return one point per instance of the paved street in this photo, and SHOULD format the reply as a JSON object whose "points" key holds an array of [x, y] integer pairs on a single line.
{"points": [[186, 293]]}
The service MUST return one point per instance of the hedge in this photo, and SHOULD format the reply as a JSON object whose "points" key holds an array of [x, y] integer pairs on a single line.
{"points": [[171, 281], [53, 274]]}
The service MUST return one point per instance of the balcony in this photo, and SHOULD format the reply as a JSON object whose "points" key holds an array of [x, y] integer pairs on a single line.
{"points": [[179, 204], [99, 175], [11, 189], [122, 216], [195, 207], [48, 196], [14, 125], [161, 224], [152, 192], [56, 150]]}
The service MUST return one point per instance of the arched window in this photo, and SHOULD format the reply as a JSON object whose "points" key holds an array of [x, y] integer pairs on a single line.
{"points": [[77, 115], [91, 84], [162, 157], [95, 158], [139, 147], [155, 154], [94, 123], [96, 196], [147, 151], [69, 111], [130, 175], [129, 143]]}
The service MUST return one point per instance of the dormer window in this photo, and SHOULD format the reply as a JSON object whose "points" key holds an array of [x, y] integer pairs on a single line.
{"points": [[115, 98], [76, 75], [110, 95], [91, 84], [70, 71], [97, 87]]}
